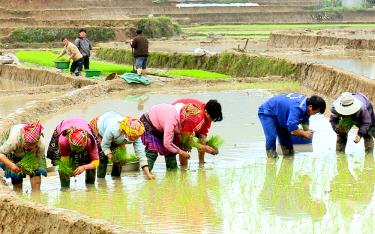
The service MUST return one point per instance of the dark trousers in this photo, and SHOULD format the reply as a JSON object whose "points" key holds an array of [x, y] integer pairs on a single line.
{"points": [[170, 160], [272, 130], [76, 65], [86, 62], [90, 179], [102, 168]]}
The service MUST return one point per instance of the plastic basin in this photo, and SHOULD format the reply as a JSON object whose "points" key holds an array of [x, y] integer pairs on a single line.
{"points": [[92, 73], [62, 64], [300, 141]]}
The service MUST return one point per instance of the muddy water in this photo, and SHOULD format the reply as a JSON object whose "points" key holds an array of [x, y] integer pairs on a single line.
{"points": [[357, 66], [10, 104], [238, 191], [359, 63]]}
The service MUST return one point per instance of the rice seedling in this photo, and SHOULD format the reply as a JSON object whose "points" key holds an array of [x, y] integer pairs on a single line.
{"points": [[345, 124], [215, 141], [29, 163], [66, 167], [131, 158], [119, 155]]}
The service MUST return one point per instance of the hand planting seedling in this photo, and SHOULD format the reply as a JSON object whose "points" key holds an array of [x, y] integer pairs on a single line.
{"points": [[66, 167], [188, 142], [29, 163], [215, 142]]}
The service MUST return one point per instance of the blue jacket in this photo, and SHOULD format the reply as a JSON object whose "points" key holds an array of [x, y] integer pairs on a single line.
{"points": [[289, 109]]}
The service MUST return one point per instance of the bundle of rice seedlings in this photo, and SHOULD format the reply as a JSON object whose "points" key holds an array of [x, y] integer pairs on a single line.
{"points": [[66, 167], [29, 163], [215, 141], [119, 155], [131, 158], [188, 142], [345, 124]]}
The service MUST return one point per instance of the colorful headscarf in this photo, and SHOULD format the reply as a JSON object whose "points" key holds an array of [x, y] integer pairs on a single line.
{"points": [[132, 127], [77, 137], [191, 117], [31, 132]]}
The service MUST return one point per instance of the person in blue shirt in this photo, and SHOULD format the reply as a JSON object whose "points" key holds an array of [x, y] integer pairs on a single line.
{"points": [[281, 115]]}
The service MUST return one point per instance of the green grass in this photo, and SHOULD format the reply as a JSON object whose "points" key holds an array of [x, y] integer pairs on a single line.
{"points": [[47, 58], [257, 30], [197, 74], [274, 26]]}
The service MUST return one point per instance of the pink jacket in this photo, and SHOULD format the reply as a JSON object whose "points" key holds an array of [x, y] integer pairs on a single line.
{"points": [[166, 119]]}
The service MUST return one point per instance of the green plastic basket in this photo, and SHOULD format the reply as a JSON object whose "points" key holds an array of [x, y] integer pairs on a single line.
{"points": [[92, 73], [62, 64]]}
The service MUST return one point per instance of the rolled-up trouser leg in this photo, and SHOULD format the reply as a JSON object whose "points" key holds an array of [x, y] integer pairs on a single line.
{"points": [[90, 176], [341, 141], [369, 143]]}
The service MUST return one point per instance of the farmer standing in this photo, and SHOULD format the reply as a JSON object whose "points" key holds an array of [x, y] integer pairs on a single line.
{"points": [[84, 45], [281, 115], [352, 109], [140, 46], [74, 54], [212, 113]]}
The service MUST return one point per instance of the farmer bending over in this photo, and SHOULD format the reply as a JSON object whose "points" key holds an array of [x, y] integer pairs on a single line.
{"points": [[211, 113], [74, 54], [24, 139], [74, 144], [349, 110], [114, 130], [281, 115]]}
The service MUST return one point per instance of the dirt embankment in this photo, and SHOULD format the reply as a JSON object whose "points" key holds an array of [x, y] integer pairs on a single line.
{"points": [[41, 77], [19, 217], [331, 82], [307, 39]]}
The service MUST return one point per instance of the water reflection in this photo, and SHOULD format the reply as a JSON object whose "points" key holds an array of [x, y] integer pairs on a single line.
{"points": [[181, 202], [287, 198], [353, 192]]}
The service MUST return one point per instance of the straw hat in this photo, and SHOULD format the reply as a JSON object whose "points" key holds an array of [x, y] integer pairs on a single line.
{"points": [[347, 104]]}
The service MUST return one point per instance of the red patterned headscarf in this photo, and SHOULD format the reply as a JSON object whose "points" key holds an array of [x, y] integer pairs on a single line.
{"points": [[77, 137], [31, 132], [192, 117]]}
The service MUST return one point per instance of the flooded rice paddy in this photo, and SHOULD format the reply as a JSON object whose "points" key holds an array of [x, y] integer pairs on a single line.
{"points": [[237, 191]]}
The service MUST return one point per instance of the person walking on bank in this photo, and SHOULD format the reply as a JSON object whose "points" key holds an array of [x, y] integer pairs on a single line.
{"points": [[84, 45], [281, 115], [140, 46], [74, 54], [349, 110]]}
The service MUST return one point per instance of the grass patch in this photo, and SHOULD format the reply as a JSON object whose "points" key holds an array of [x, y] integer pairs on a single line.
{"points": [[47, 58], [257, 30], [237, 65], [156, 27], [273, 26], [44, 35], [197, 74]]}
